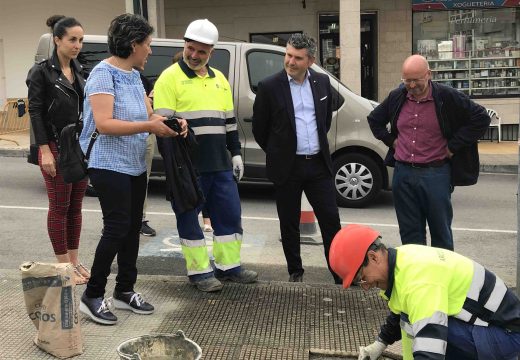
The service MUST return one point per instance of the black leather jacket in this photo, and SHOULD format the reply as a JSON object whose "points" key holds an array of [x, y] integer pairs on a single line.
{"points": [[52, 99], [461, 120]]}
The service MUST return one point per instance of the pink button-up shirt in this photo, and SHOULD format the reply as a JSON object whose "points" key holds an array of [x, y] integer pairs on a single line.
{"points": [[420, 139]]}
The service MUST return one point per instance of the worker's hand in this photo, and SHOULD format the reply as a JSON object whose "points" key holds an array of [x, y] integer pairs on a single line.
{"points": [[238, 167], [184, 126], [372, 351]]}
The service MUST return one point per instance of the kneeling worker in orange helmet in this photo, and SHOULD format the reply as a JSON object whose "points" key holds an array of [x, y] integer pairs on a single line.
{"points": [[443, 305]]}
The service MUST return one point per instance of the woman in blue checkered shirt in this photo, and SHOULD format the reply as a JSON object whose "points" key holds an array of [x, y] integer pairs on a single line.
{"points": [[116, 105]]}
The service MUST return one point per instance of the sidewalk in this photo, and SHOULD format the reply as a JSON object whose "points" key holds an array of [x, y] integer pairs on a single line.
{"points": [[498, 157], [267, 320], [264, 321], [494, 157]]}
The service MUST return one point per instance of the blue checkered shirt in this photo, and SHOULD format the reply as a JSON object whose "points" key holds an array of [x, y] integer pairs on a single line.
{"points": [[124, 154]]}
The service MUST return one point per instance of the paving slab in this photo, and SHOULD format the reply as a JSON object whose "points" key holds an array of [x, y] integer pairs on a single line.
{"points": [[266, 320]]}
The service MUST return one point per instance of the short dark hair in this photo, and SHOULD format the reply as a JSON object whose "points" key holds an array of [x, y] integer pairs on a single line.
{"points": [[303, 41], [125, 30], [60, 23]]}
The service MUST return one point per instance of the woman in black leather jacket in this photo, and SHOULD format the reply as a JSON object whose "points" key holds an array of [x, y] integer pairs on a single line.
{"points": [[56, 100]]}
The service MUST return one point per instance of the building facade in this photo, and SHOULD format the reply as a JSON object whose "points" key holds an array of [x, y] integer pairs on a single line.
{"points": [[471, 45]]}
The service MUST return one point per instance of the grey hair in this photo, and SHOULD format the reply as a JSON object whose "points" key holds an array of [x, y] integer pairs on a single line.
{"points": [[303, 41], [375, 246]]}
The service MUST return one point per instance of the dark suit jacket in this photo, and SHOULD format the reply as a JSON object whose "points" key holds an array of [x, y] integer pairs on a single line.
{"points": [[274, 126]]}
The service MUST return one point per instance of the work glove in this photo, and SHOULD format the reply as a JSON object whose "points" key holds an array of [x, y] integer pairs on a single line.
{"points": [[238, 167], [372, 351]]}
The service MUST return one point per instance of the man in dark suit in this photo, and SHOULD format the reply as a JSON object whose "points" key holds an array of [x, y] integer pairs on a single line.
{"points": [[291, 117]]}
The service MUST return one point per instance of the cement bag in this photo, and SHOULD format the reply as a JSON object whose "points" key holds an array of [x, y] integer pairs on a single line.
{"points": [[52, 306]]}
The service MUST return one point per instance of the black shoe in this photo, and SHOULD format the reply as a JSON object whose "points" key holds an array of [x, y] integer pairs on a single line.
{"points": [[296, 277], [98, 309], [91, 191], [146, 230], [242, 276], [210, 284], [132, 301]]}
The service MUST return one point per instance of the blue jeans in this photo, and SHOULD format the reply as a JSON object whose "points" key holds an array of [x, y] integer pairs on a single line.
{"points": [[222, 202], [423, 195], [121, 197], [466, 341]]}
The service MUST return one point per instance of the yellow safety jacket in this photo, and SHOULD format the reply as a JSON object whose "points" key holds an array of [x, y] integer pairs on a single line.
{"points": [[427, 284], [207, 103]]}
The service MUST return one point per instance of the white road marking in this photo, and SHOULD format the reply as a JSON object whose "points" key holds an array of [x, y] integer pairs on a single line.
{"points": [[499, 231]]}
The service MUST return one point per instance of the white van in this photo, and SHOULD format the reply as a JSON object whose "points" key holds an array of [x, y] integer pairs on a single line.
{"points": [[357, 156]]}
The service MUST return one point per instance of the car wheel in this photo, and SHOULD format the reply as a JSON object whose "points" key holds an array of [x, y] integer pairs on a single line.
{"points": [[357, 180]]}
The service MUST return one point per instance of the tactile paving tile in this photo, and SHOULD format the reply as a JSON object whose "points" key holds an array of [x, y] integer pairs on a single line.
{"points": [[261, 321]]}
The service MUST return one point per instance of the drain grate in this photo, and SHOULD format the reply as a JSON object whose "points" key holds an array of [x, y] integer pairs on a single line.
{"points": [[278, 321]]}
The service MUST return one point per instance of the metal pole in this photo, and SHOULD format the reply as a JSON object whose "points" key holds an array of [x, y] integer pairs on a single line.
{"points": [[518, 227]]}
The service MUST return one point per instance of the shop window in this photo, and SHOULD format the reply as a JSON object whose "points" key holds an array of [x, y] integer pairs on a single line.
{"points": [[329, 55], [476, 51], [278, 38]]}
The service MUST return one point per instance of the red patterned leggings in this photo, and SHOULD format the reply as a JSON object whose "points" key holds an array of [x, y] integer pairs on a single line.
{"points": [[64, 217]]}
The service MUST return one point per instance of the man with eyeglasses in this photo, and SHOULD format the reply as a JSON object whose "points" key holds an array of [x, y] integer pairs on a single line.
{"points": [[442, 305], [432, 141]]}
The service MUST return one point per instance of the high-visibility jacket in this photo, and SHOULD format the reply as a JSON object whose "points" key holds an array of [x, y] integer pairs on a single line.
{"points": [[427, 284], [207, 103]]}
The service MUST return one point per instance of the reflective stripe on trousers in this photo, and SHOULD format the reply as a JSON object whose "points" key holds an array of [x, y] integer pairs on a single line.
{"points": [[223, 205]]}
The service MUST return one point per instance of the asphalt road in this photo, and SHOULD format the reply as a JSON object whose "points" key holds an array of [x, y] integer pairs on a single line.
{"points": [[484, 226]]}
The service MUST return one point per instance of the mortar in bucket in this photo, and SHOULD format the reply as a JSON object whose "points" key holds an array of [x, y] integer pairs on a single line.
{"points": [[160, 347]]}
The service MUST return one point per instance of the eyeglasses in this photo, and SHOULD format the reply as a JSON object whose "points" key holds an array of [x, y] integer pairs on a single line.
{"points": [[358, 279], [414, 81]]}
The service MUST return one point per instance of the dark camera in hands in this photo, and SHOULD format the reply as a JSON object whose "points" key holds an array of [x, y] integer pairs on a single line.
{"points": [[173, 123]]}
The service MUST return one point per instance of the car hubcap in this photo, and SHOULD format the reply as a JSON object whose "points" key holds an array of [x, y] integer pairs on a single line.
{"points": [[354, 181]]}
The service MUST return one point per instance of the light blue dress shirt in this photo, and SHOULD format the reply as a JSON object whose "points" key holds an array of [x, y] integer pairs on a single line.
{"points": [[307, 142]]}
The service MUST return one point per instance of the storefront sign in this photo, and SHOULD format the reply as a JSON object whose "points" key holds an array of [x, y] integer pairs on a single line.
{"points": [[428, 5], [472, 20]]}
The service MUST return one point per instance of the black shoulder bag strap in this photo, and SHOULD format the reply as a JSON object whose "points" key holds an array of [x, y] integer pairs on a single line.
{"points": [[93, 138]]}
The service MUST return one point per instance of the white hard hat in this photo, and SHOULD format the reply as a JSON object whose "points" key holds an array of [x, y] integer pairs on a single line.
{"points": [[203, 31]]}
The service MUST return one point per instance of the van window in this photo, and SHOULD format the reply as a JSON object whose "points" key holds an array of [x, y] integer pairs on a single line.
{"points": [[261, 64], [91, 54], [220, 60], [337, 99], [161, 58]]}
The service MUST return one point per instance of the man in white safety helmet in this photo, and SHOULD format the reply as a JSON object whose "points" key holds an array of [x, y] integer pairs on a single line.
{"points": [[202, 95]]}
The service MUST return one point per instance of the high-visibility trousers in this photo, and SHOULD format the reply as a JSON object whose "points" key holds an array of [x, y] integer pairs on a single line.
{"points": [[223, 204]]}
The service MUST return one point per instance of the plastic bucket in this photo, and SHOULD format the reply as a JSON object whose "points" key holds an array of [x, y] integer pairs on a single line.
{"points": [[160, 347]]}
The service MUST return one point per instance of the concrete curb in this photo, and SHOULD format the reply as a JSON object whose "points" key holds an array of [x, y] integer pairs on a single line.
{"points": [[14, 152], [484, 168], [499, 169]]}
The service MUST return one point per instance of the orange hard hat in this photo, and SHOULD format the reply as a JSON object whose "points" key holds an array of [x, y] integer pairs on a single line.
{"points": [[348, 250]]}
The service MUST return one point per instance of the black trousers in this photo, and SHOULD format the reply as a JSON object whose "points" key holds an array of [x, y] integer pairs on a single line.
{"points": [[313, 177], [121, 197]]}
